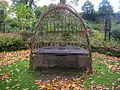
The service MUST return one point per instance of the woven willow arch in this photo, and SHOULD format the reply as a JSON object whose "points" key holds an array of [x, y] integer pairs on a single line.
{"points": [[61, 26], [40, 26]]}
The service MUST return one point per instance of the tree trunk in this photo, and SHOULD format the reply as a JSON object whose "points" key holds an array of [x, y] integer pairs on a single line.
{"points": [[63, 1]]}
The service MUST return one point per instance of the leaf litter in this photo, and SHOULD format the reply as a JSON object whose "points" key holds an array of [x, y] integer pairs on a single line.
{"points": [[60, 81]]}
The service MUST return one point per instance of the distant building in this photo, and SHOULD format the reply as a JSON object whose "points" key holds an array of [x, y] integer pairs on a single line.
{"points": [[1, 15], [2, 23]]}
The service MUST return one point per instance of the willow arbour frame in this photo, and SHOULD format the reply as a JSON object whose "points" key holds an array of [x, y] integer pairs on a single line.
{"points": [[60, 27]]}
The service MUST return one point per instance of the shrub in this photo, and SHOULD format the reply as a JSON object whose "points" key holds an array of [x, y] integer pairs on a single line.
{"points": [[26, 34], [106, 50], [99, 45], [116, 32], [97, 37], [96, 26], [11, 43], [11, 29], [93, 25]]}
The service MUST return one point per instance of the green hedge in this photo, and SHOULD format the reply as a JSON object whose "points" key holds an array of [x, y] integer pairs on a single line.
{"points": [[9, 43], [116, 32], [18, 42], [105, 47], [106, 50]]}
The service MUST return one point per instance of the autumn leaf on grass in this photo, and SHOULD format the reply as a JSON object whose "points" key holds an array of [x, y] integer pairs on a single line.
{"points": [[61, 83], [118, 87], [12, 57], [25, 89], [4, 76], [27, 66], [65, 88]]}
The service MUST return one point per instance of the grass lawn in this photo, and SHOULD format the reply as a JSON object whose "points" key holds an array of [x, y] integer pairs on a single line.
{"points": [[17, 76]]}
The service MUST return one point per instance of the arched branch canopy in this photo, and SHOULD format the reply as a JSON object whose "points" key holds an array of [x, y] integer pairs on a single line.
{"points": [[60, 26]]}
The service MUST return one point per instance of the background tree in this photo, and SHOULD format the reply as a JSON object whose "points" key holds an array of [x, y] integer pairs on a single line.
{"points": [[74, 2], [3, 4], [24, 16], [88, 7], [105, 7], [88, 11], [38, 11], [30, 3], [3, 14], [106, 10]]}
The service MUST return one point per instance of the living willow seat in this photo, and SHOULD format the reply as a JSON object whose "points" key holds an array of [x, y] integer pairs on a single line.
{"points": [[60, 40]]}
